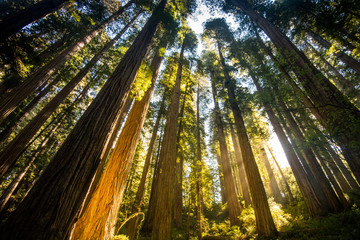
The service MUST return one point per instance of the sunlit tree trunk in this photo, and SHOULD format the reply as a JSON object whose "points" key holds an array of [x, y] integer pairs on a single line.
{"points": [[99, 218], [133, 223], [49, 209], [229, 181], [264, 221], [243, 180], [161, 227], [273, 183], [9, 155], [9, 101], [13, 23], [291, 197], [329, 101]]}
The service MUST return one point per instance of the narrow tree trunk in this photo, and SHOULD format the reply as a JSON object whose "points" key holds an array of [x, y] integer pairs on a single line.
{"points": [[229, 183], [13, 23], [51, 206], [99, 218], [240, 164], [329, 101], [133, 223], [336, 186], [283, 176], [11, 188], [273, 183], [9, 155], [264, 221], [310, 157], [342, 167], [341, 82], [9, 101], [221, 177], [349, 61], [164, 192], [26, 111], [312, 200], [199, 211]]}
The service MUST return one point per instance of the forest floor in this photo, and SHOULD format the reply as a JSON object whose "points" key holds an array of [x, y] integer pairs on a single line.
{"points": [[292, 223]]}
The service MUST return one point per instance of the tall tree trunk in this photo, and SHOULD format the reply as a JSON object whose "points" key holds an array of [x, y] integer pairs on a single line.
{"points": [[199, 203], [221, 177], [13, 23], [51, 206], [334, 183], [264, 221], [229, 181], [99, 218], [349, 61], [340, 81], [312, 200], [273, 183], [133, 223], [240, 164], [164, 192], [26, 111], [178, 203], [16, 181], [9, 101], [329, 101], [282, 175], [9, 155]]}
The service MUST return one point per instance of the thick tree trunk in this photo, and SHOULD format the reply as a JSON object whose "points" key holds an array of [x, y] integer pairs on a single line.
{"points": [[99, 217], [9, 101], [240, 164], [330, 102], [9, 155], [133, 223], [291, 197], [264, 221], [273, 183], [15, 22], [177, 218], [164, 192], [229, 182], [51, 206]]}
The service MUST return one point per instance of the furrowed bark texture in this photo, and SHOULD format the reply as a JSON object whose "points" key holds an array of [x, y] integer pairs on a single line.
{"points": [[50, 207], [329, 101], [11, 100], [164, 192], [133, 223], [9, 155], [264, 221], [99, 218], [229, 181]]}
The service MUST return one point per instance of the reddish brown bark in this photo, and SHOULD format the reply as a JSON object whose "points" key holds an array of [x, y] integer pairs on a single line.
{"points": [[49, 209]]}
